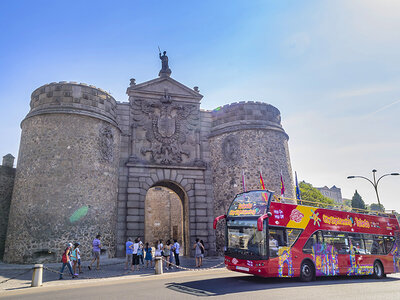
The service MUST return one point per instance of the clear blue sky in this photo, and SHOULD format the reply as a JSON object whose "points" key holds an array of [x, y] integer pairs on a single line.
{"points": [[331, 67]]}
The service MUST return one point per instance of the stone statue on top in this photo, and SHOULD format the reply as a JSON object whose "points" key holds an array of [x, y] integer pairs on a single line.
{"points": [[165, 70]]}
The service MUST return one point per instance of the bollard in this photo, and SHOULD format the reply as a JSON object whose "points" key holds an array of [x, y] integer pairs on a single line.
{"points": [[158, 266], [37, 275]]}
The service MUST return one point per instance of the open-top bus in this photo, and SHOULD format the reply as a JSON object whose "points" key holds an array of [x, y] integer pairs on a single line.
{"points": [[269, 238]]}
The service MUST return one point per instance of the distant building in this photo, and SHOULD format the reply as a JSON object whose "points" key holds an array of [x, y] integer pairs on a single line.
{"points": [[333, 193]]}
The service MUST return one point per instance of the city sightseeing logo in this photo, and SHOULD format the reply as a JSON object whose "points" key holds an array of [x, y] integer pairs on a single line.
{"points": [[331, 220]]}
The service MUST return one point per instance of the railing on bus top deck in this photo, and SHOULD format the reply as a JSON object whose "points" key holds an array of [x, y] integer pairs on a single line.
{"points": [[332, 206]]}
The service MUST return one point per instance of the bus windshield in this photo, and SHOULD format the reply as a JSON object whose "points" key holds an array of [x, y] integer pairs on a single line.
{"points": [[244, 240]]}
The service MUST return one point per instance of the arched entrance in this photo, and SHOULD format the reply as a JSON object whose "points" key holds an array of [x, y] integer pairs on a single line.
{"points": [[166, 215]]}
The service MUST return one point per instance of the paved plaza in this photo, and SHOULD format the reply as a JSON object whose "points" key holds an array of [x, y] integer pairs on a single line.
{"points": [[18, 277]]}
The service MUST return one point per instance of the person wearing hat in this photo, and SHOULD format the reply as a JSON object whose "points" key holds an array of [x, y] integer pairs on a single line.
{"points": [[96, 252], [66, 261], [76, 258]]}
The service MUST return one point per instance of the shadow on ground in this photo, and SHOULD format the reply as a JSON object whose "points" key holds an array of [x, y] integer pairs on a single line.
{"points": [[250, 283]]}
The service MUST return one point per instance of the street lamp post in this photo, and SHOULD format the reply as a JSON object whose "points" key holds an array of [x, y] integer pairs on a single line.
{"points": [[375, 182]]}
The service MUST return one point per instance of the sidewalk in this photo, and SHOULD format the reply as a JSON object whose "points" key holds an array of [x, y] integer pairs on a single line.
{"points": [[109, 267]]}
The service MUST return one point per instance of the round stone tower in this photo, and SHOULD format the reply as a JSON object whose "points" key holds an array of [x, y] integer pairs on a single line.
{"points": [[247, 137], [67, 174]]}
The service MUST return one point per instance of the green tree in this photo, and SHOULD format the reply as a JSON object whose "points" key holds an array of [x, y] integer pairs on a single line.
{"points": [[376, 207], [357, 201], [311, 196]]}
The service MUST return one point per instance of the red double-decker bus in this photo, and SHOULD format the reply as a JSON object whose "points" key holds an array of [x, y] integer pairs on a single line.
{"points": [[269, 238]]}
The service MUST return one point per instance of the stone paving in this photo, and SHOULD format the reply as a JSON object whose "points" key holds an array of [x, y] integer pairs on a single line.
{"points": [[109, 268]]}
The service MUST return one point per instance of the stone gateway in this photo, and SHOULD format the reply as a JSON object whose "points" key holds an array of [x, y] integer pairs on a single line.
{"points": [[155, 167]]}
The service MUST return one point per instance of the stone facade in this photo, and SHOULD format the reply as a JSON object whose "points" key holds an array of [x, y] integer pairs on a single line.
{"points": [[333, 193], [247, 137], [67, 175], [86, 157], [7, 176]]}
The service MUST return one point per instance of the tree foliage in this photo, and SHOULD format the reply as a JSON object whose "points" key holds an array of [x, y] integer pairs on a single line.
{"points": [[376, 207], [312, 196], [357, 201]]}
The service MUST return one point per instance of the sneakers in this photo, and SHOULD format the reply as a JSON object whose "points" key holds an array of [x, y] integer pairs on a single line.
{"points": [[76, 274]]}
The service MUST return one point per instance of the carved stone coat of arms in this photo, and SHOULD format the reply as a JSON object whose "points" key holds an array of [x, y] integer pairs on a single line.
{"points": [[168, 126]]}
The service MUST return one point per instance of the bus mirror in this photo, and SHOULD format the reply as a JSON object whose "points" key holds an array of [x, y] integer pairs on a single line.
{"points": [[217, 219], [261, 219]]}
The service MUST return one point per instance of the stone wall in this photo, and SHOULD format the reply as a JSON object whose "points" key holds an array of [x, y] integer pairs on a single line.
{"points": [[247, 136], [66, 180], [7, 176], [163, 216]]}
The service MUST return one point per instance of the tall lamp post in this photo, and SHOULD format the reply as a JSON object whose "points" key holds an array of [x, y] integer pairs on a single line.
{"points": [[375, 182]]}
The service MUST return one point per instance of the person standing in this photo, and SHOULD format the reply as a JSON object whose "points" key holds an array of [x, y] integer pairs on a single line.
{"points": [[129, 254], [149, 256], [66, 261], [203, 248], [167, 254], [140, 252], [135, 258], [176, 252], [197, 254], [96, 252]]}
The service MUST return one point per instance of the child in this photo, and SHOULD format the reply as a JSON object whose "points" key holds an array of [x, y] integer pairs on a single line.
{"points": [[149, 256]]}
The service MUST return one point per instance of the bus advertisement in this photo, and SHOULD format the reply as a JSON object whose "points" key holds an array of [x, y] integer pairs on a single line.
{"points": [[268, 238]]}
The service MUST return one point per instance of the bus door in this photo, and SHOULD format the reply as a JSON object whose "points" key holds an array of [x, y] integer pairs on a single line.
{"points": [[337, 250]]}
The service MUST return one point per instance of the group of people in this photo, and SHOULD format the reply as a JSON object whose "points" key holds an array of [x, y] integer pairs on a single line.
{"points": [[135, 251], [136, 254], [71, 257]]}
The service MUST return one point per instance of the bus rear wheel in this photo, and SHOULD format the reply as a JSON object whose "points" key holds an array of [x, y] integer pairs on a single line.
{"points": [[378, 270], [306, 271]]}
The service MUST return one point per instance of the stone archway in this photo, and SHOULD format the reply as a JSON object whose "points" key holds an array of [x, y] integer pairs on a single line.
{"points": [[166, 215]]}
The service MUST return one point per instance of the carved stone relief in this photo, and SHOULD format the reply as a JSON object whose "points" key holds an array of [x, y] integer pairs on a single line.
{"points": [[106, 143], [230, 149], [168, 127]]}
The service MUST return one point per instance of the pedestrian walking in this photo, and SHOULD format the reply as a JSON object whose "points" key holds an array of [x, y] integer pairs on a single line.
{"points": [[76, 259], [129, 254], [66, 261], [197, 246], [149, 256], [96, 252], [176, 252], [135, 258]]}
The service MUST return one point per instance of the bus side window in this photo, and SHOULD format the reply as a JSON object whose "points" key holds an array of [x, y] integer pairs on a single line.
{"points": [[310, 242], [357, 243], [377, 246], [388, 242], [370, 245]]}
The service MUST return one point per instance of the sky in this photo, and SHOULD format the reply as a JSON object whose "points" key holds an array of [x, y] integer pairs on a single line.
{"points": [[330, 67]]}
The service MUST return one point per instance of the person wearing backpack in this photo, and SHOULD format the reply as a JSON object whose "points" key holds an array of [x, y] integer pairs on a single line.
{"points": [[66, 261]]}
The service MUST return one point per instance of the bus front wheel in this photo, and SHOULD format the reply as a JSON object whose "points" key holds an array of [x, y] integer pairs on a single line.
{"points": [[307, 271], [378, 270]]}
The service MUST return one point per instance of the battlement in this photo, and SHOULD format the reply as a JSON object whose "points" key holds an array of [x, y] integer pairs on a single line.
{"points": [[245, 115], [73, 97]]}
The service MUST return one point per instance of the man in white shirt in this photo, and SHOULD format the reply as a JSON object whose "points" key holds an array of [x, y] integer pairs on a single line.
{"points": [[176, 252]]}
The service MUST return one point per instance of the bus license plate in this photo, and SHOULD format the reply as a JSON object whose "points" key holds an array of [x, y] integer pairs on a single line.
{"points": [[242, 268]]}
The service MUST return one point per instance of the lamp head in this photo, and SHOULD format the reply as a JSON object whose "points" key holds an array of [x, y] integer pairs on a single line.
{"points": [[394, 174], [373, 171], [350, 177]]}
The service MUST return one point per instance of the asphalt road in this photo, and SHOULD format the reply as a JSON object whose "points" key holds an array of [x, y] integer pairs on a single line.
{"points": [[217, 284]]}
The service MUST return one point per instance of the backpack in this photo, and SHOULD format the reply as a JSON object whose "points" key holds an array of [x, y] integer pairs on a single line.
{"points": [[64, 257]]}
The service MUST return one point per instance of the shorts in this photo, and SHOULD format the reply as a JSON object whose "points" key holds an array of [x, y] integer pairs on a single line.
{"points": [[79, 261], [199, 255], [135, 259], [96, 254], [129, 258]]}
